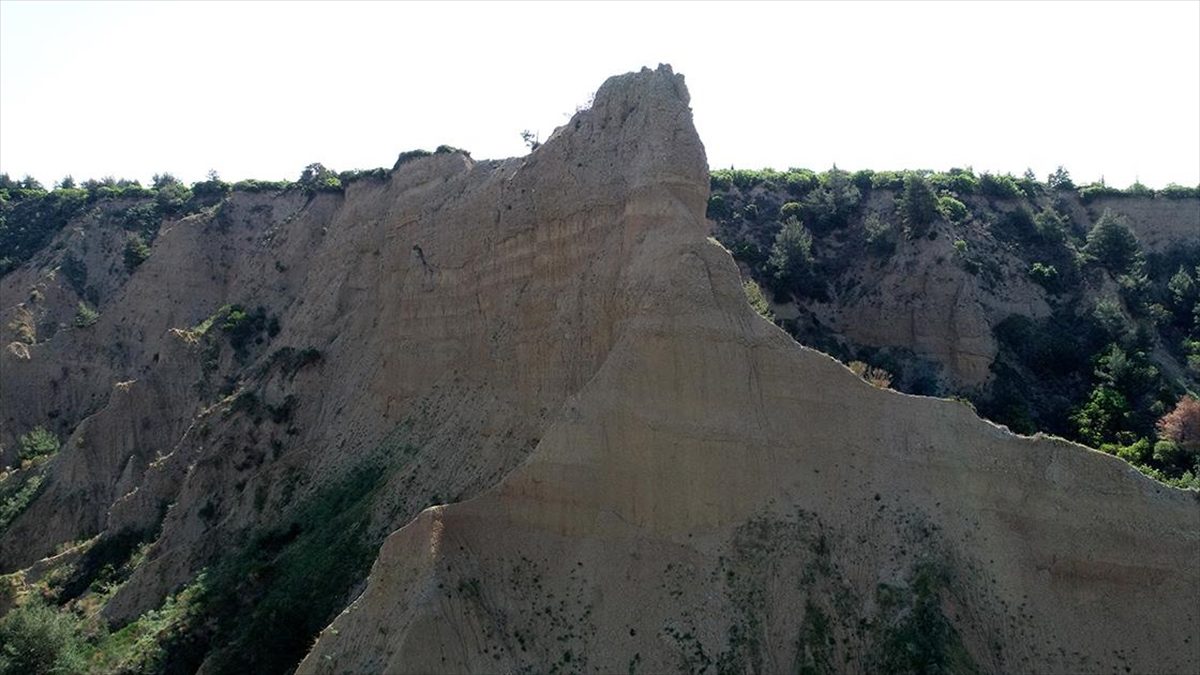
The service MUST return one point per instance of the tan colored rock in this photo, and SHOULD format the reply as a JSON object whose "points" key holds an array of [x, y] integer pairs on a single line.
{"points": [[717, 497], [648, 477]]}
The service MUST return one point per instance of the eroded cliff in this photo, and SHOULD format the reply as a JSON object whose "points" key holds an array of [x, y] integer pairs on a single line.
{"points": [[599, 458]]}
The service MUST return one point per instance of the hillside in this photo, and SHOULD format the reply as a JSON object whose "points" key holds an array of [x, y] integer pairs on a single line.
{"points": [[518, 415], [1072, 311]]}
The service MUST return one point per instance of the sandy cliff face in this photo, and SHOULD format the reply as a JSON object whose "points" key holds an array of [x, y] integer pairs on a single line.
{"points": [[717, 497], [641, 474]]}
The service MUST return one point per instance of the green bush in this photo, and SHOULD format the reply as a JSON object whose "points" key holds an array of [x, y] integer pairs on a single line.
{"points": [[952, 209], [1045, 275], [136, 252], [172, 197], [39, 442], [1174, 191], [1000, 186], [757, 300], [348, 177], [254, 186], [959, 181], [30, 218], [450, 150], [888, 180], [410, 155], [36, 638], [1089, 193], [143, 219], [316, 178], [718, 207], [85, 316]]}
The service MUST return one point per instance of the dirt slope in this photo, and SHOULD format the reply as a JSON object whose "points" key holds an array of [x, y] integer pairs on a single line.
{"points": [[717, 497]]}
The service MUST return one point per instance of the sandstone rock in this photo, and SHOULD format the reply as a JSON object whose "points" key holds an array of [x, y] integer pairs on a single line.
{"points": [[717, 496], [591, 454]]}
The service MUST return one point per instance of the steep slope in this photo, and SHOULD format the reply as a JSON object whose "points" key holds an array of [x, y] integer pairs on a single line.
{"points": [[718, 498], [289, 376]]}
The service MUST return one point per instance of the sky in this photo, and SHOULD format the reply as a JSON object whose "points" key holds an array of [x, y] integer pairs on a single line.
{"points": [[1109, 90]]}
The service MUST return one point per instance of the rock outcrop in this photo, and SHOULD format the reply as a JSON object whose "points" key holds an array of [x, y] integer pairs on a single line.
{"points": [[717, 497], [590, 452]]}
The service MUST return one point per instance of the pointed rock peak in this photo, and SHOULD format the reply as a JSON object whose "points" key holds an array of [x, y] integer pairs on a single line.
{"points": [[660, 83], [639, 127]]}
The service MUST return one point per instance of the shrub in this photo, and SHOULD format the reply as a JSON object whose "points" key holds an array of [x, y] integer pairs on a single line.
{"points": [[1138, 190], [876, 376], [958, 181], [144, 219], [1000, 186], [243, 327], [348, 177], [718, 180], [863, 179], [211, 191], [316, 178], [1181, 426], [449, 150], [136, 252], [718, 207], [1094, 191], [1112, 243], [408, 156], [1045, 275], [254, 186], [1016, 225], [757, 300], [172, 197], [36, 638], [1174, 191], [1051, 226], [952, 209], [37, 443], [832, 203], [888, 180], [85, 316]]}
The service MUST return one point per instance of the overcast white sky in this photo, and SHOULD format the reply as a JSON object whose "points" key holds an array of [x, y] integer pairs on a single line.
{"points": [[129, 90]]}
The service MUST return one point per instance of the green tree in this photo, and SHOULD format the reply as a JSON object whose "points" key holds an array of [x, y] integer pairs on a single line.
{"points": [[1112, 243], [918, 205], [317, 178], [1051, 226], [36, 638], [1104, 414], [1060, 179], [791, 259]]}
